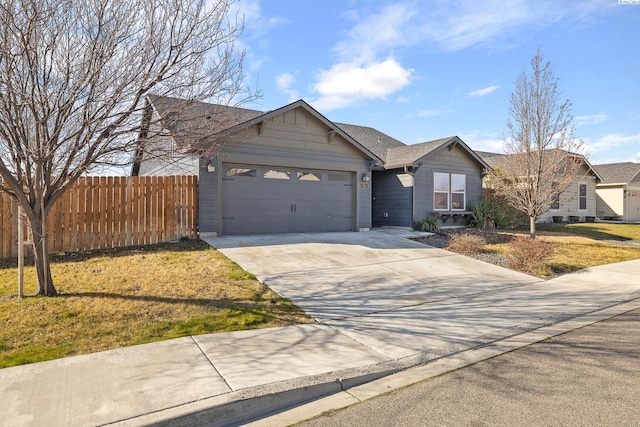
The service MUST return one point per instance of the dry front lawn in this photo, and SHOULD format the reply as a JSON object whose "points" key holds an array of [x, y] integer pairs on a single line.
{"points": [[570, 247], [121, 297]]}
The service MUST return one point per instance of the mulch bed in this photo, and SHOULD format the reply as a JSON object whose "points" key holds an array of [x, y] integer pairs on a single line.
{"points": [[441, 240]]}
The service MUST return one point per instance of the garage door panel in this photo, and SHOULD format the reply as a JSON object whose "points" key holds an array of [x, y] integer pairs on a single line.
{"points": [[320, 201]]}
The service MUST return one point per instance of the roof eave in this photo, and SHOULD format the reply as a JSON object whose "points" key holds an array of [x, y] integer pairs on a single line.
{"points": [[310, 109]]}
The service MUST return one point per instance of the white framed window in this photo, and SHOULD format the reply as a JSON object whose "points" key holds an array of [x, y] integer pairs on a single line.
{"points": [[582, 198], [555, 199], [449, 191], [458, 192], [440, 191]]}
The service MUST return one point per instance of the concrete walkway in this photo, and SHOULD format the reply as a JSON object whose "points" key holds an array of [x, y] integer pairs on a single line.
{"points": [[383, 304]]}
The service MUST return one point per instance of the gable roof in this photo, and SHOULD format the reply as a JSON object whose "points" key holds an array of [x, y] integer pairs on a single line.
{"points": [[618, 173], [496, 160], [410, 155], [371, 138], [218, 121], [493, 159]]}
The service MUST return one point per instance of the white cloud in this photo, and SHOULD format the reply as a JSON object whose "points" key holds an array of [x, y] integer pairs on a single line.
{"points": [[257, 26], [346, 83], [377, 32], [482, 141], [611, 148], [592, 119], [456, 25], [255, 23], [636, 157], [284, 82], [484, 91]]}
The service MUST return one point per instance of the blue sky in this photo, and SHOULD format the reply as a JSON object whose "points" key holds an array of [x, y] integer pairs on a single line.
{"points": [[422, 70]]}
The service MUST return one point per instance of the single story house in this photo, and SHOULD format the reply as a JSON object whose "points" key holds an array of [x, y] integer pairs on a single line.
{"points": [[576, 203], [293, 170], [618, 195]]}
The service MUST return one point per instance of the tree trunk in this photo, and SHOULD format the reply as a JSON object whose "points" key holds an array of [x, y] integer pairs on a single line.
{"points": [[41, 258], [532, 227]]}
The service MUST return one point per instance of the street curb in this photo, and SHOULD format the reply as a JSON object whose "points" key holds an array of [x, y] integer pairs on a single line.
{"points": [[289, 402], [438, 367], [243, 406]]}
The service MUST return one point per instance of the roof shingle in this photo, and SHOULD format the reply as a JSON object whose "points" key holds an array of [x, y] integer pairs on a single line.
{"points": [[618, 173]]}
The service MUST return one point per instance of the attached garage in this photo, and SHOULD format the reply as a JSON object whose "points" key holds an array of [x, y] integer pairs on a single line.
{"points": [[289, 170], [273, 199]]}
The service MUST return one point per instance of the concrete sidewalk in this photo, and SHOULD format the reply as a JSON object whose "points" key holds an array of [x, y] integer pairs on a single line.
{"points": [[383, 304]]}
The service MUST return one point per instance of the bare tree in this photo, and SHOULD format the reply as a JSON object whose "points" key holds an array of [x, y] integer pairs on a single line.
{"points": [[73, 78], [541, 160]]}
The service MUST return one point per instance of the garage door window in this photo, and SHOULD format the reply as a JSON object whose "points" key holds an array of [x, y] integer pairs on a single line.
{"points": [[339, 177], [241, 172], [277, 174], [308, 176]]}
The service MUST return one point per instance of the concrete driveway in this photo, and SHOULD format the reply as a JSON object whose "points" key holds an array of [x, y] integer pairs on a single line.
{"points": [[396, 296], [341, 275], [401, 298]]}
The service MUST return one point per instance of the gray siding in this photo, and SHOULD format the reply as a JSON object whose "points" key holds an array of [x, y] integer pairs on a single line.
{"points": [[455, 160], [208, 198], [294, 139], [392, 198]]}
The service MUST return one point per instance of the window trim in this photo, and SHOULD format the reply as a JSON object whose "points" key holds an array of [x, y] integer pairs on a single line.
{"points": [[555, 199], [586, 197], [280, 174], [450, 192], [464, 193]]}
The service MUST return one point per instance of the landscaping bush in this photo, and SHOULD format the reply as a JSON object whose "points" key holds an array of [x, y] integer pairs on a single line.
{"points": [[466, 244], [502, 214], [429, 223], [481, 216], [530, 256]]}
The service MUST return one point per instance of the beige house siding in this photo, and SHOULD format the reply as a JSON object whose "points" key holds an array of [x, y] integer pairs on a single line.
{"points": [[570, 202], [610, 201], [633, 203]]}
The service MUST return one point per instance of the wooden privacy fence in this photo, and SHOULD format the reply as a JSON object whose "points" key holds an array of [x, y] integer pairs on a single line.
{"points": [[107, 212]]}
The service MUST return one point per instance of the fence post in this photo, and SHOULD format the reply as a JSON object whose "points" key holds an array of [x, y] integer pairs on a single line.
{"points": [[20, 252]]}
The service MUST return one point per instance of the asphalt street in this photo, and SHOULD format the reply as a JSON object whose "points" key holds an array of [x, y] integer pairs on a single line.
{"points": [[586, 377]]}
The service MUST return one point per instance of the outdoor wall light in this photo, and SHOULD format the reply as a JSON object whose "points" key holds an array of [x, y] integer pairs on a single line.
{"points": [[211, 168], [365, 177]]}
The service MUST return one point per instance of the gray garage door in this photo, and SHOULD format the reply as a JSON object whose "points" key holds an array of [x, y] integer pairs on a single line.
{"points": [[262, 199]]}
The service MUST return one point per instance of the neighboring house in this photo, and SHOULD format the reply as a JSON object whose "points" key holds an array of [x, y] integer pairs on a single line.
{"points": [[286, 170], [577, 203], [441, 177], [618, 195]]}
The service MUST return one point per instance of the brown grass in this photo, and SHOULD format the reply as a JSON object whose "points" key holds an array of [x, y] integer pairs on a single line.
{"points": [[114, 298], [572, 251]]}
